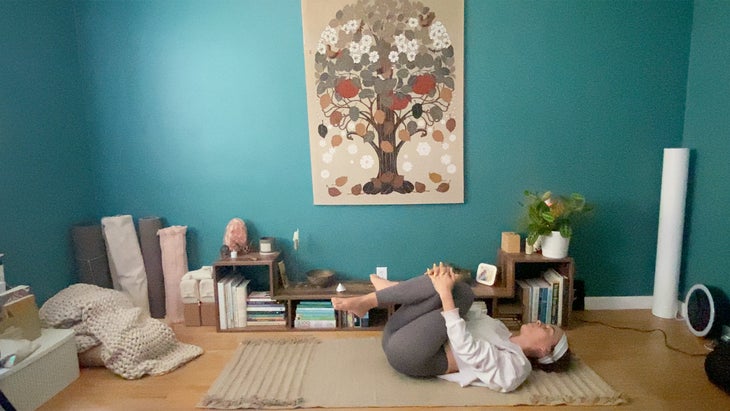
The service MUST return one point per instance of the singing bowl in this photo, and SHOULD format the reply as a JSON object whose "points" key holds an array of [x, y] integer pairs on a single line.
{"points": [[320, 277]]}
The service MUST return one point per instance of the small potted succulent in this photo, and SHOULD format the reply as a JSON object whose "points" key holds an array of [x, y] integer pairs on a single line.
{"points": [[550, 220]]}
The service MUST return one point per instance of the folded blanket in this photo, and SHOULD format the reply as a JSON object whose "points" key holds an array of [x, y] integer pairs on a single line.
{"points": [[207, 290], [132, 343], [203, 272], [189, 291]]}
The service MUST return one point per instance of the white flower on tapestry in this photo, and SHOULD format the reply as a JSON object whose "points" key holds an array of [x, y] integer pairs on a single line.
{"points": [[367, 162], [393, 56], [325, 174], [424, 148], [328, 39], [439, 35], [400, 43], [351, 26], [451, 169], [384, 78]]}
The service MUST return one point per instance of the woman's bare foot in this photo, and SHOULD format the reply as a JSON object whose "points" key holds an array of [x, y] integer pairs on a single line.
{"points": [[380, 283], [359, 305]]}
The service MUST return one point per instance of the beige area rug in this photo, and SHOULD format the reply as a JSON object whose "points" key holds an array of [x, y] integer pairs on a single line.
{"points": [[353, 372]]}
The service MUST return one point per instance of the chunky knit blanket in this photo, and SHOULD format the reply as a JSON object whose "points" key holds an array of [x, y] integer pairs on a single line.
{"points": [[132, 343]]}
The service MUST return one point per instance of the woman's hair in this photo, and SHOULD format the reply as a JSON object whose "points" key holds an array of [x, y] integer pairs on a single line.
{"points": [[560, 365]]}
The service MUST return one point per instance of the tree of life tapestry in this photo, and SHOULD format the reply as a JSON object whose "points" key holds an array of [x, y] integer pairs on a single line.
{"points": [[385, 100]]}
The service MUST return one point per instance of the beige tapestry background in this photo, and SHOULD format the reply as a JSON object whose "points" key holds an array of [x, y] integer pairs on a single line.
{"points": [[385, 100]]}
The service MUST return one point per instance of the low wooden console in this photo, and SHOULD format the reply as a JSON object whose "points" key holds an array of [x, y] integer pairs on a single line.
{"points": [[263, 271]]}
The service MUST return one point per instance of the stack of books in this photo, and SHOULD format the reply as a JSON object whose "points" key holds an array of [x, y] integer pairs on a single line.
{"points": [[351, 320], [263, 310], [543, 298], [315, 314], [232, 294]]}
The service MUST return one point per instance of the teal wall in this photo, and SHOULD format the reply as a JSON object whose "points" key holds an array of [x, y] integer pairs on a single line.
{"points": [[197, 113], [46, 178], [707, 133]]}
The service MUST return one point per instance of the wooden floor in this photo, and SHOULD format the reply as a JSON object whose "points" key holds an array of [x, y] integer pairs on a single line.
{"points": [[652, 376]]}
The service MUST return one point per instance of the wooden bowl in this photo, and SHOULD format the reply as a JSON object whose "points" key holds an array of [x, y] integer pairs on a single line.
{"points": [[320, 278]]}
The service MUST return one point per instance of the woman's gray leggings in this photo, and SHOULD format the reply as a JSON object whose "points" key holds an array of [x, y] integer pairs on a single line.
{"points": [[414, 336]]}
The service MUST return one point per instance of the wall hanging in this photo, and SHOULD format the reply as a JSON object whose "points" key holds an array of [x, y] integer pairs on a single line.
{"points": [[385, 100]]}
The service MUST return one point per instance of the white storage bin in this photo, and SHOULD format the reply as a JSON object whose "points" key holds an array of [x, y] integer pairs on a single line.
{"points": [[50, 369]]}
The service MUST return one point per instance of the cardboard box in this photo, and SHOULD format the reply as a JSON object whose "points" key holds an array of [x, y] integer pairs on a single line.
{"points": [[510, 242], [191, 312], [208, 314], [23, 314]]}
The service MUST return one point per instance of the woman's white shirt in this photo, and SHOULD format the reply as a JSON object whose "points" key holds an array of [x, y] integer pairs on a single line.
{"points": [[484, 353]]}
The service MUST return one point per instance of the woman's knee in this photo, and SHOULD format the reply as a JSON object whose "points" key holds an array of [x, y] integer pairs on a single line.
{"points": [[463, 297]]}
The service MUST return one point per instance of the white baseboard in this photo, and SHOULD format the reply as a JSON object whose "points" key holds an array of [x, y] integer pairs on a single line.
{"points": [[628, 303]]}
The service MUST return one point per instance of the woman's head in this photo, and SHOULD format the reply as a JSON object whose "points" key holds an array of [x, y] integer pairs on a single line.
{"points": [[546, 345]]}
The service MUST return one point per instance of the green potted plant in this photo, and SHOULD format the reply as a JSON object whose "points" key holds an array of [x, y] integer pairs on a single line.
{"points": [[550, 220]]}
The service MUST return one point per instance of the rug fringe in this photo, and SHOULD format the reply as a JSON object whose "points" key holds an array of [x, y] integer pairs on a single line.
{"points": [[307, 339], [253, 402]]}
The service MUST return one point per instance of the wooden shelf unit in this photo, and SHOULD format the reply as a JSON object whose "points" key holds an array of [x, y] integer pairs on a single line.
{"points": [[510, 266], [293, 294], [239, 265], [514, 266], [298, 292]]}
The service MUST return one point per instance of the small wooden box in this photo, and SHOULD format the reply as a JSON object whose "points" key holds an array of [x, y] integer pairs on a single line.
{"points": [[191, 312], [208, 315], [510, 242]]}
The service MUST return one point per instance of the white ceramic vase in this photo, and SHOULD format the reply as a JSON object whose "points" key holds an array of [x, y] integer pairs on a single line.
{"points": [[554, 245]]}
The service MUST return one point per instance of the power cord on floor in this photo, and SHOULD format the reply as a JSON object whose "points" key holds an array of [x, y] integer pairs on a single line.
{"points": [[709, 346]]}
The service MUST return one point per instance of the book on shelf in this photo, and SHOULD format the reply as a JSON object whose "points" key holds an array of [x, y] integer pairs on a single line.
{"points": [[361, 322], [542, 298], [305, 323], [525, 296], [266, 308], [315, 314], [558, 284], [262, 310], [260, 296], [350, 320], [539, 292], [230, 302], [266, 323], [223, 301], [241, 295]]}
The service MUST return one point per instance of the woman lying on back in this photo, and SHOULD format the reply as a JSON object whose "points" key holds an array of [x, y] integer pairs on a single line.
{"points": [[430, 334]]}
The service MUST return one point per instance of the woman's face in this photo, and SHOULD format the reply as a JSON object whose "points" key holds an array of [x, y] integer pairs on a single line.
{"points": [[542, 337]]}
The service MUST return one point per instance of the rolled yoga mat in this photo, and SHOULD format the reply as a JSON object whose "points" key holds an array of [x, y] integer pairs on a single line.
{"points": [[90, 255], [125, 259], [671, 230], [174, 267], [152, 256]]}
